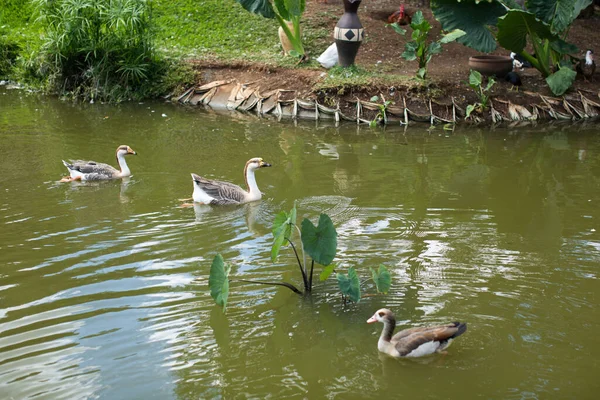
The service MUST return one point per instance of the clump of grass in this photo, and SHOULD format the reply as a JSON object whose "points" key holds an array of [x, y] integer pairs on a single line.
{"points": [[344, 78], [100, 49]]}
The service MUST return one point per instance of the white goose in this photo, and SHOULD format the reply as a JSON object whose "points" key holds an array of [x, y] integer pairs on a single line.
{"points": [[208, 191], [414, 342], [93, 171]]}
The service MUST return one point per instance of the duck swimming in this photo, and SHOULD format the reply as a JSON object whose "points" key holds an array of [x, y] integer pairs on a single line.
{"points": [[80, 170], [414, 342], [208, 191]]}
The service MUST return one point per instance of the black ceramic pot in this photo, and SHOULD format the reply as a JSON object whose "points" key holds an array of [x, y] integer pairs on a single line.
{"points": [[348, 33]]}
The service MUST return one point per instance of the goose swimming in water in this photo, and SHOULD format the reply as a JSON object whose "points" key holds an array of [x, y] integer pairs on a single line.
{"points": [[414, 342], [208, 191], [93, 171]]}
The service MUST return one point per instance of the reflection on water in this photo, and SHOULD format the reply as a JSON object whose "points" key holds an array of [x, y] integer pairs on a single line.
{"points": [[103, 285]]}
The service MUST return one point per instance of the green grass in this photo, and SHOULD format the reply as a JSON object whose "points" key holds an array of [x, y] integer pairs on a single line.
{"points": [[218, 30], [214, 28], [356, 77]]}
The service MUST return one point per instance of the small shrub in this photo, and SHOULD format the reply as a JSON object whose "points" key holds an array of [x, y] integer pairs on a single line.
{"points": [[98, 49], [419, 48]]}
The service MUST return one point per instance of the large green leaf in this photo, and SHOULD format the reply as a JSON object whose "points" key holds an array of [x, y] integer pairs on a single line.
{"points": [[282, 230], [516, 25], [349, 285], [260, 7], [562, 47], [419, 23], [559, 14], [218, 281], [471, 16], [327, 271], [320, 242], [282, 9], [560, 81], [295, 7], [382, 278], [452, 36]]}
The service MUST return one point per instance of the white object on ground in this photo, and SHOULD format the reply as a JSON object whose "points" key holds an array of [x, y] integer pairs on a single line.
{"points": [[329, 58]]}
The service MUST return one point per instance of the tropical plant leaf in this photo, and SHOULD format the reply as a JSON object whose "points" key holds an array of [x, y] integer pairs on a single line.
{"points": [[560, 81], [470, 109], [382, 278], [452, 36], [260, 7], [422, 72], [559, 14], [516, 25], [409, 54], [282, 230], [218, 281], [327, 271], [473, 17], [475, 79], [580, 5], [397, 28], [419, 23], [282, 9], [434, 48], [320, 242], [295, 7], [349, 285], [562, 47]]}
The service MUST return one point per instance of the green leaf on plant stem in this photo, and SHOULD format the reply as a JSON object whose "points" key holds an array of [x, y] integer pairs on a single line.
{"points": [[422, 72], [560, 81], [559, 14], [294, 53], [382, 278], [282, 9], [282, 230], [475, 79], [397, 28], [516, 25], [295, 7], [452, 36], [260, 7], [218, 280], [349, 285], [471, 16], [320, 242], [562, 47], [419, 22], [375, 98], [490, 83], [326, 272], [409, 54], [470, 109], [434, 48]]}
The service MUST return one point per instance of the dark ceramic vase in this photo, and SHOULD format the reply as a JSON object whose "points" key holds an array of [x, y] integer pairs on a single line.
{"points": [[348, 33]]}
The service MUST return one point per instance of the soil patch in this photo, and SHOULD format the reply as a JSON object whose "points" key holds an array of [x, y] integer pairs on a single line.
{"points": [[380, 52]]}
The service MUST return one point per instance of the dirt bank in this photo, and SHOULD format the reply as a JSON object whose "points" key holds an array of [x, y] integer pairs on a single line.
{"points": [[380, 53]]}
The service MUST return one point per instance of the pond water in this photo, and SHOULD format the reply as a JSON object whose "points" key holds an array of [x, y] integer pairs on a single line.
{"points": [[104, 286]]}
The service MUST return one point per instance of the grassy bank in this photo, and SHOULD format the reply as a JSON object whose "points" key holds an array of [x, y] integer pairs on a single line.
{"points": [[141, 52]]}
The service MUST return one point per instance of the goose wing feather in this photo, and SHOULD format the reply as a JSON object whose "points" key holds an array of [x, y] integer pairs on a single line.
{"points": [[409, 339], [223, 193], [92, 167]]}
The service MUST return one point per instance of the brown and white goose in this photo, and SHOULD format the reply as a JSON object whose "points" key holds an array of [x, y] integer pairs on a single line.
{"points": [[80, 170], [414, 342], [587, 66], [208, 191]]}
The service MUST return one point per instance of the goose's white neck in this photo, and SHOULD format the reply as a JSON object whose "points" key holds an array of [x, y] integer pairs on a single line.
{"points": [[123, 165], [589, 60], [253, 192]]}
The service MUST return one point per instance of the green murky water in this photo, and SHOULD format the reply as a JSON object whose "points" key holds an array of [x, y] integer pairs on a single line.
{"points": [[103, 286]]}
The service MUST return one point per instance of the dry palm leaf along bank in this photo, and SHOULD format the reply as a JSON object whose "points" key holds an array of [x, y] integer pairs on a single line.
{"points": [[282, 103]]}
